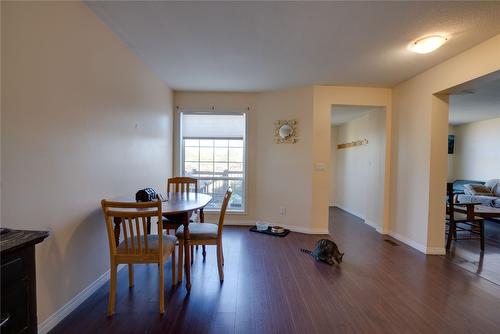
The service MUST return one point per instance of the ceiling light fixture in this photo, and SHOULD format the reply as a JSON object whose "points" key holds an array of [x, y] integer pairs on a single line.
{"points": [[427, 44]]}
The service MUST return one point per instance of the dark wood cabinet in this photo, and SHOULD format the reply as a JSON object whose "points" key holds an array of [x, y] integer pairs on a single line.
{"points": [[18, 281]]}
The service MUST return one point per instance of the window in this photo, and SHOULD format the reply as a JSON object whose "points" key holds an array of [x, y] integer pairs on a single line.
{"points": [[214, 151]]}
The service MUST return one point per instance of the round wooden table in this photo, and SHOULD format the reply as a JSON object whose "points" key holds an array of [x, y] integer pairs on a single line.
{"points": [[181, 205]]}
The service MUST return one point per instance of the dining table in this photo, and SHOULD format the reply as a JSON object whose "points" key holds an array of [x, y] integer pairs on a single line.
{"points": [[180, 205], [483, 211]]}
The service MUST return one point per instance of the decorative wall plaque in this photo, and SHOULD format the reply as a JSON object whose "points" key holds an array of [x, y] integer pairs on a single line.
{"points": [[285, 132]]}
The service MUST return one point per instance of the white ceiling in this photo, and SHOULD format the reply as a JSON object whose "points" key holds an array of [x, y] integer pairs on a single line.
{"points": [[345, 113], [475, 104], [256, 46]]}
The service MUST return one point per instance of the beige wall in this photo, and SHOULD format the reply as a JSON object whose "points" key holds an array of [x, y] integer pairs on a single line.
{"points": [[332, 163], [324, 98], [477, 150], [358, 172], [82, 119], [278, 174], [284, 170], [420, 129]]}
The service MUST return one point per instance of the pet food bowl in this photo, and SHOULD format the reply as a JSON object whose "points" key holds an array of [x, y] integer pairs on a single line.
{"points": [[262, 226], [277, 229]]}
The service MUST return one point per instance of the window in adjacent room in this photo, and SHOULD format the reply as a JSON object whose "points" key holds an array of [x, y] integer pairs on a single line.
{"points": [[213, 150]]}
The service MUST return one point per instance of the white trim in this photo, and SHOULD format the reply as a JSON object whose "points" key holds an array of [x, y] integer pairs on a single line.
{"points": [[412, 243], [435, 251], [409, 242], [352, 212], [374, 225], [418, 246], [377, 227], [307, 230], [292, 228], [56, 317]]}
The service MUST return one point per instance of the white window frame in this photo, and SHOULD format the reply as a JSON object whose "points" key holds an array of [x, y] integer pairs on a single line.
{"points": [[245, 153]]}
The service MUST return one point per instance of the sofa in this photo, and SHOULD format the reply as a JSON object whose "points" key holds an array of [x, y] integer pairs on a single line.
{"points": [[458, 185], [487, 194]]}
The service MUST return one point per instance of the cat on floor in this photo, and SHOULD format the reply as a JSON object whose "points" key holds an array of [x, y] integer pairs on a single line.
{"points": [[325, 251]]}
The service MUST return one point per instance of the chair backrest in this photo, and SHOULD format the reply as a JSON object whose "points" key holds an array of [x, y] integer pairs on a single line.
{"points": [[225, 203], [182, 184], [134, 218]]}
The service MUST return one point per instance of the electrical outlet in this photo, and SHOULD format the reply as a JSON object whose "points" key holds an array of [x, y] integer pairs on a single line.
{"points": [[282, 210]]}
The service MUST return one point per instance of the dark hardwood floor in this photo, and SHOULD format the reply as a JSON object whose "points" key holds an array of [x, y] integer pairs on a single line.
{"points": [[467, 254], [272, 287]]}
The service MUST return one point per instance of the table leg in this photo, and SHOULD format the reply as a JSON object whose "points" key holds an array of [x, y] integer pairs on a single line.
{"points": [[202, 220], [202, 216], [187, 252], [117, 221]]}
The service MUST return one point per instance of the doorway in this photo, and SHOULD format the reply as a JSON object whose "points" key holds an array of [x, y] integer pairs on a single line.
{"points": [[358, 156], [474, 170]]}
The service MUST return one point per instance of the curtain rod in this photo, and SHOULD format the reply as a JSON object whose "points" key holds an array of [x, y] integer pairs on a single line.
{"points": [[212, 108]]}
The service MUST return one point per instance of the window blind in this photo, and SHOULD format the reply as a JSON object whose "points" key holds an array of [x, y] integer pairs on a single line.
{"points": [[199, 125]]}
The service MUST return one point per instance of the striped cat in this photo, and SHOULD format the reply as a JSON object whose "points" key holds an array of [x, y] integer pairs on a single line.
{"points": [[325, 251]]}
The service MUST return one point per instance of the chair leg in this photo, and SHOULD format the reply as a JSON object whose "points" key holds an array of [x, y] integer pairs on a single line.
{"points": [[162, 289], [204, 252], [130, 275], [180, 262], [451, 232], [481, 226], [112, 290], [219, 262], [222, 252], [192, 254], [173, 267]]}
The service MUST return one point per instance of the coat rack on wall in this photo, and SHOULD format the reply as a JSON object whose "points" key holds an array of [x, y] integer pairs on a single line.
{"points": [[353, 144]]}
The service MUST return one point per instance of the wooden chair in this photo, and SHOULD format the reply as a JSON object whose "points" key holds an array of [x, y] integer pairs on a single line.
{"points": [[460, 218], [206, 234], [137, 246], [181, 184]]}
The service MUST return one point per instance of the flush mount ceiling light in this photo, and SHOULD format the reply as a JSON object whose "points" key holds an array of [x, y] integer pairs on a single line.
{"points": [[427, 44]]}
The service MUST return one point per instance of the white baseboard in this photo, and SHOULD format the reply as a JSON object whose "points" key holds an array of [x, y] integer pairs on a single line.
{"points": [[418, 246], [292, 228], [307, 230], [239, 222], [374, 225], [377, 227], [70, 306], [435, 251], [352, 212], [409, 242]]}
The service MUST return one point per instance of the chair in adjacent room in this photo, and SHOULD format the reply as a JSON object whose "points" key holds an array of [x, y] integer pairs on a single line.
{"points": [[461, 221], [137, 246], [206, 234]]}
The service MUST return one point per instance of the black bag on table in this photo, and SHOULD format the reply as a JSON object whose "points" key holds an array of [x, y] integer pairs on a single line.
{"points": [[146, 195]]}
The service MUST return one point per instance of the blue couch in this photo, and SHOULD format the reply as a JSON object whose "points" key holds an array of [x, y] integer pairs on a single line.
{"points": [[458, 185], [491, 200]]}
